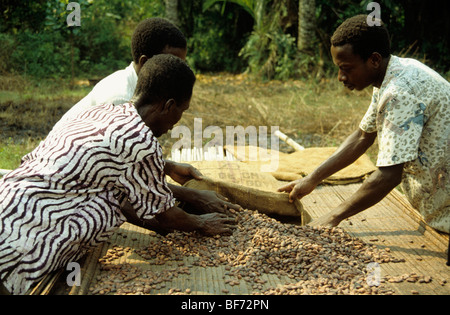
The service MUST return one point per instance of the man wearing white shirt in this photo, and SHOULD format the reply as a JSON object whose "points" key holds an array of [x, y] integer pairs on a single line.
{"points": [[151, 37]]}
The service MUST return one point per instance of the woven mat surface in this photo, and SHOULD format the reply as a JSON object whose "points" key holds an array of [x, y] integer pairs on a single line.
{"points": [[392, 224], [202, 280]]}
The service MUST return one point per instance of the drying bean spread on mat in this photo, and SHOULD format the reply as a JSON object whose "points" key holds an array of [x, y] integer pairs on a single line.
{"points": [[310, 260]]}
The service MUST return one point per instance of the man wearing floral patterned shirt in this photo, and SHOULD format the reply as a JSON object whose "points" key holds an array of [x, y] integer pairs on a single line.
{"points": [[409, 114]]}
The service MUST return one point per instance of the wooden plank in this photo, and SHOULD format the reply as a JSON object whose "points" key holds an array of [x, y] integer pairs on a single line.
{"points": [[45, 286]]}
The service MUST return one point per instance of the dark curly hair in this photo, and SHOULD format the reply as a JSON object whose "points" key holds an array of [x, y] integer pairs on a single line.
{"points": [[164, 77], [152, 35], [365, 39]]}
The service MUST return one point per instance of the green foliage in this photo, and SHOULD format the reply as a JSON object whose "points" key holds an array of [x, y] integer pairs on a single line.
{"points": [[7, 47], [420, 27], [223, 35], [247, 5], [35, 39], [22, 14], [213, 45], [208, 50], [41, 55], [271, 53], [101, 48], [11, 153]]}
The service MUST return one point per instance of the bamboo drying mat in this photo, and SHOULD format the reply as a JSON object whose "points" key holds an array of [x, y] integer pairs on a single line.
{"points": [[392, 223], [200, 280]]}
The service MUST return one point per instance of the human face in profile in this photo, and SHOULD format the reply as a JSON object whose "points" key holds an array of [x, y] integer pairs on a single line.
{"points": [[161, 118], [354, 72], [173, 114]]}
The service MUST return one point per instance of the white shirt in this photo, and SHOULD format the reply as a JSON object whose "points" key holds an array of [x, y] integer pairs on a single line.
{"points": [[117, 88]]}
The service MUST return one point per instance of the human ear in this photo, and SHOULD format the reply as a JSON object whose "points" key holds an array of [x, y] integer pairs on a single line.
{"points": [[142, 60], [375, 60], [169, 105]]}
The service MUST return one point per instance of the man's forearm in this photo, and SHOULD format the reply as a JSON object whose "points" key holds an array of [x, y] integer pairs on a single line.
{"points": [[373, 190], [168, 165], [182, 193], [177, 219], [350, 150], [152, 224]]}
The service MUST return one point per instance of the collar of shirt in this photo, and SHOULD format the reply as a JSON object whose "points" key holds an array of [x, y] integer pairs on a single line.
{"points": [[391, 73], [132, 77]]}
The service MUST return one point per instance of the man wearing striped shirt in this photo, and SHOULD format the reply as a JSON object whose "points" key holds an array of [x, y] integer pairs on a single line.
{"points": [[102, 167]]}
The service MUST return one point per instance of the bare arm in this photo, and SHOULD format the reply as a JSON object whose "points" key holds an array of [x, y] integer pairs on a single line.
{"points": [[204, 200], [373, 190], [207, 224], [153, 224], [350, 150], [177, 219], [181, 172]]}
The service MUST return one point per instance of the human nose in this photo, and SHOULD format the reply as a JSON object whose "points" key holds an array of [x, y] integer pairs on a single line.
{"points": [[341, 76]]}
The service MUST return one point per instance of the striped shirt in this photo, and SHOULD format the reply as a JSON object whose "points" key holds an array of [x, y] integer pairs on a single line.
{"points": [[65, 197]]}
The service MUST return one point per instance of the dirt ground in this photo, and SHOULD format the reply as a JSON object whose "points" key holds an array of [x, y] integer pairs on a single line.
{"points": [[30, 118], [312, 113], [29, 109]]}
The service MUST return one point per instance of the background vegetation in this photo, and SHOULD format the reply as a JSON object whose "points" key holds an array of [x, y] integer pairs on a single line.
{"points": [[253, 58], [261, 36]]}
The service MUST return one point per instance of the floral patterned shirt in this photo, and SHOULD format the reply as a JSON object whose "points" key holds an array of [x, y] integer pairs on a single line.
{"points": [[411, 116]]}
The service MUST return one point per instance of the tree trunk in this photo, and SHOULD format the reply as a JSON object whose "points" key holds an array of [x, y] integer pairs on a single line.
{"points": [[172, 11], [306, 25]]}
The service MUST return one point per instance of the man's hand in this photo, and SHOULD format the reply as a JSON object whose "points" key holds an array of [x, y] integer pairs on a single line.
{"points": [[351, 149], [210, 202], [217, 223], [327, 220], [372, 190], [203, 201], [182, 172], [298, 188], [208, 224]]}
